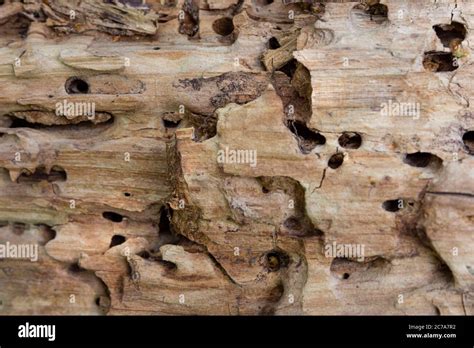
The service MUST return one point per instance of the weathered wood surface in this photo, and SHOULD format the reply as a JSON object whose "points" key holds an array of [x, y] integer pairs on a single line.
{"points": [[134, 212]]}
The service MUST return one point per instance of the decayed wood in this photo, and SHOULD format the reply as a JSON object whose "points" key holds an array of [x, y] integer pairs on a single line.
{"points": [[140, 208]]}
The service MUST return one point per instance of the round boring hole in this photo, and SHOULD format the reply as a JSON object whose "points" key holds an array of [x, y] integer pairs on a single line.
{"points": [[393, 205], [117, 240], [422, 159], [346, 276], [223, 26], [273, 262], [76, 85], [276, 259], [350, 140], [377, 12], [450, 34], [439, 61], [336, 160], [468, 140], [273, 43], [111, 216]]}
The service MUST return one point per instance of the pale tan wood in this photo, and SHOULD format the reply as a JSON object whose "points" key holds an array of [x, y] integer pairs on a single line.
{"points": [[133, 215]]}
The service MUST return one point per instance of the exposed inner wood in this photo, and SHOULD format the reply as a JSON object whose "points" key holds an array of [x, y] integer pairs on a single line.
{"points": [[237, 157]]}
